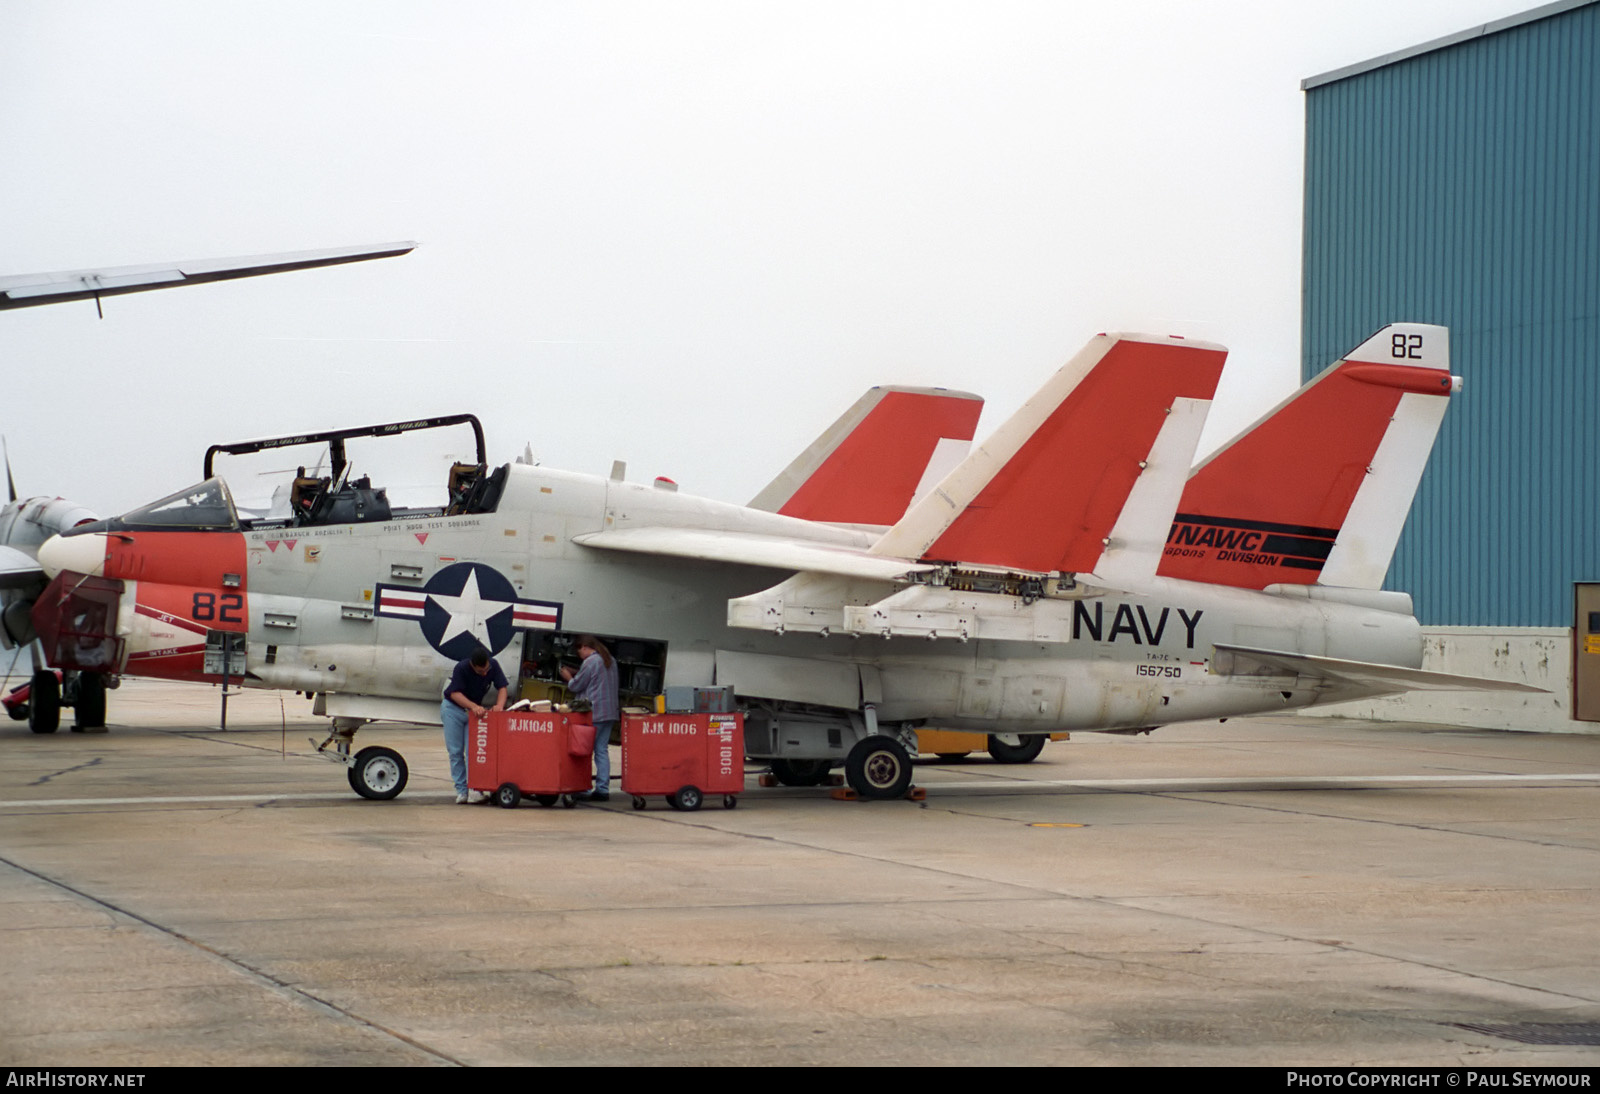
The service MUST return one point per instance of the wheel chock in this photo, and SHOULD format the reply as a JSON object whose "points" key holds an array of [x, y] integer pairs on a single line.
{"points": [[847, 794], [767, 779]]}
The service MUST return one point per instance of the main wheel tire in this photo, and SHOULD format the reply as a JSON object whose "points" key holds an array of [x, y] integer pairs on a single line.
{"points": [[1009, 748], [508, 796], [878, 768], [801, 772], [44, 702], [687, 799], [378, 773], [89, 712]]}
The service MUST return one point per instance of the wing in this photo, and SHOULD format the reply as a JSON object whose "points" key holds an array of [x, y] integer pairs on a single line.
{"points": [[748, 549], [32, 290]]}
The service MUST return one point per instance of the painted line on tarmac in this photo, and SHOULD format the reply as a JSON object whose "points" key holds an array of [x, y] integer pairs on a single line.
{"points": [[206, 799], [1199, 785], [1276, 782]]}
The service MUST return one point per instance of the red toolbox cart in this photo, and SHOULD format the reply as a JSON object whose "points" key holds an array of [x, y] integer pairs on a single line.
{"points": [[513, 754], [684, 757]]}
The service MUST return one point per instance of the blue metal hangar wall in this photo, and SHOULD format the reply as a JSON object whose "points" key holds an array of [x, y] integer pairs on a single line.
{"points": [[1458, 182]]}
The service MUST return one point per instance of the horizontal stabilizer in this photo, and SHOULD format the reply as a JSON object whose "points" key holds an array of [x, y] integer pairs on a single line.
{"points": [[868, 467], [1363, 676], [748, 549], [31, 290], [1043, 492], [1319, 488]]}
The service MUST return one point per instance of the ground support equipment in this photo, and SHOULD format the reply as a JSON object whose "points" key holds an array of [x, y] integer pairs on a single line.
{"points": [[683, 757], [544, 756]]}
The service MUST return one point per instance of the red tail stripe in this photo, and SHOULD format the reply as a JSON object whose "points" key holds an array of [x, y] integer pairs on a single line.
{"points": [[1423, 381]]}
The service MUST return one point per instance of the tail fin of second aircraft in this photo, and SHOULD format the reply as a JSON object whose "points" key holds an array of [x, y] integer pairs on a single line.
{"points": [[1317, 491], [1045, 490], [882, 453]]}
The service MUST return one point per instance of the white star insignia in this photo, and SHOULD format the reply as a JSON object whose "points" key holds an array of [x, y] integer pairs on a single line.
{"points": [[469, 612]]}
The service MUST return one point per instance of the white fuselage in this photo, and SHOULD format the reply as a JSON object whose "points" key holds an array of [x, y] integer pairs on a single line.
{"points": [[1085, 659]]}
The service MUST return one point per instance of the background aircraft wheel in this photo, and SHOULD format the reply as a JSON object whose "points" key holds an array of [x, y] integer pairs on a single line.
{"points": [[508, 796], [878, 768], [687, 799], [378, 773], [729, 801], [1010, 748], [89, 712], [44, 702], [952, 757], [547, 800], [568, 802], [800, 772]]}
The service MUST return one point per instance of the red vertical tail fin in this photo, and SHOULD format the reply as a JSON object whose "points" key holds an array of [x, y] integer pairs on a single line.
{"points": [[867, 467], [1045, 490], [1318, 490]]}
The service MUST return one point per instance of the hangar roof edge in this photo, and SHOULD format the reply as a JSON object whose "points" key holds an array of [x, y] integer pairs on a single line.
{"points": [[1495, 27]]}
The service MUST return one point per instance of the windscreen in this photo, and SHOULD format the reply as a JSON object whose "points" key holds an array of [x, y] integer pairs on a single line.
{"points": [[205, 506]]}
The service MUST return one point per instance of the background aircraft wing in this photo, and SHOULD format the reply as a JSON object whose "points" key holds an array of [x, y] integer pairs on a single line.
{"points": [[31, 290], [746, 549], [1362, 676]]}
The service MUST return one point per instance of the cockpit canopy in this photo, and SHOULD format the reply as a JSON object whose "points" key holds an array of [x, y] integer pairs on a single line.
{"points": [[316, 499], [204, 507]]}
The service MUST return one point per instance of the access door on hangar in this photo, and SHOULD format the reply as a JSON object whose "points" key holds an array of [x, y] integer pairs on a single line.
{"points": [[1586, 651]]}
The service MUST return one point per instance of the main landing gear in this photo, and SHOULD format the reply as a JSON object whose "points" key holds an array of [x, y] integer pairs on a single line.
{"points": [[44, 702], [878, 768], [801, 772], [1012, 748], [83, 692]]}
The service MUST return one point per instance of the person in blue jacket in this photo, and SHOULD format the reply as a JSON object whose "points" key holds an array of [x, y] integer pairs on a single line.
{"points": [[596, 681]]}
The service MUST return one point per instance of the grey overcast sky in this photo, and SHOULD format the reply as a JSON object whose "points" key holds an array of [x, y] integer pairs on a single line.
{"points": [[684, 234]]}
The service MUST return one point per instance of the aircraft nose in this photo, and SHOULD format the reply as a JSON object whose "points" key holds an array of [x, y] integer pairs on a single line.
{"points": [[82, 554]]}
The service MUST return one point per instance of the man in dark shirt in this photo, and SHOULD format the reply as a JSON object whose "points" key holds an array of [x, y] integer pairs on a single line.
{"points": [[469, 692]]}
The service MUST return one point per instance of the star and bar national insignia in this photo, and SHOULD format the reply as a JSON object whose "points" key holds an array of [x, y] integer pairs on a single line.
{"points": [[465, 605]]}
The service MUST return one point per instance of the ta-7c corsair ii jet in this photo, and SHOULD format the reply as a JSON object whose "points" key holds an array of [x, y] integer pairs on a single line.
{"points": [[1069, 574]]}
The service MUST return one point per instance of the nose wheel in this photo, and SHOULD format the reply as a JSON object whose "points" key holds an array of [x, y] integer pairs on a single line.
{"points": [[378, 773]]}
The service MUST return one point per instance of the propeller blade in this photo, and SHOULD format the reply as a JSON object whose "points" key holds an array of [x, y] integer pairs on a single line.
{"points": [[11, 486]]}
